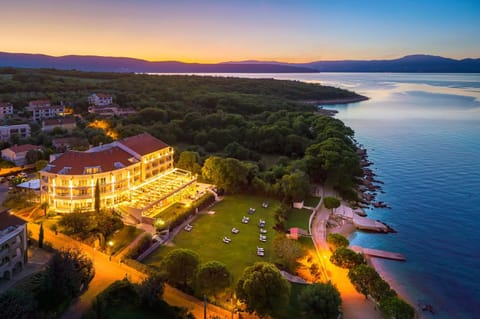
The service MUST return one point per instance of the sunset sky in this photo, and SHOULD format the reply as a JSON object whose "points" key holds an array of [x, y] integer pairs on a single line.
{"points": [[232, 30]]}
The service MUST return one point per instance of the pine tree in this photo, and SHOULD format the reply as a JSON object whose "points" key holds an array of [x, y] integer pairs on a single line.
{"points": [[97, 198], [40, 237]]}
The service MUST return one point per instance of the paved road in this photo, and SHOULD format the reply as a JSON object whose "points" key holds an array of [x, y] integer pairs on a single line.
{"points": [[106, 271]]}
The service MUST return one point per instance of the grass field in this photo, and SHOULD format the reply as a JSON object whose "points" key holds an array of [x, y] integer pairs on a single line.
{"points": [[208, 231], [298, 218]]}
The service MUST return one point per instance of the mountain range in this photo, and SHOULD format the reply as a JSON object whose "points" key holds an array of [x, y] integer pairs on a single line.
{"points": [[411, 63]]}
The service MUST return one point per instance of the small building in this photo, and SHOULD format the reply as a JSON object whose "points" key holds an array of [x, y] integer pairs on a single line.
{"points": [[17, 154], [68, 123], [47, 112], [38, 103], [111, 110], [100, 99], [13, 244], [5, 109], [7, 131], [67, 143]]}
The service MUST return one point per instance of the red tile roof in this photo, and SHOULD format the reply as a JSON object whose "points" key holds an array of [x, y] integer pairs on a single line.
{"points": [[24, 148], [78, 161], [60, 121], [103, 95], [39, 102], [143, 144]]}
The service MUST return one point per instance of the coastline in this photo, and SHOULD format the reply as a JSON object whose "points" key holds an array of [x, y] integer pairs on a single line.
{"points": [[344, 100]]}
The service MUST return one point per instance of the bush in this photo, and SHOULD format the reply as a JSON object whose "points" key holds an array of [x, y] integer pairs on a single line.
{"points": [[336, 241], [346, 258]]}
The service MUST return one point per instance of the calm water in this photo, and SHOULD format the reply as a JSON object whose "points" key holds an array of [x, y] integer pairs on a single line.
{"points": [[423, 134]]}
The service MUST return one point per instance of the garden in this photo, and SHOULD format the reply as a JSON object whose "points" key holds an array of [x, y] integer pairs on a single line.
{"points": [[206, 235]]}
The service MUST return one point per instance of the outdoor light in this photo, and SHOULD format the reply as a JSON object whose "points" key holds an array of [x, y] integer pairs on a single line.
{"points": [[110, 243]]}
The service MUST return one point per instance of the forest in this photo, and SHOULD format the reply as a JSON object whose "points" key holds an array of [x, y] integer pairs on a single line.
{"points": [[242, 134]]}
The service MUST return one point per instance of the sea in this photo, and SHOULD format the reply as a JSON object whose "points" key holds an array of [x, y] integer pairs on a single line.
{"points": [[422, 132]]}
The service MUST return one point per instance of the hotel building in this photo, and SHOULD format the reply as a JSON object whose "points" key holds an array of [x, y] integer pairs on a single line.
{"points": [[133, 174]]}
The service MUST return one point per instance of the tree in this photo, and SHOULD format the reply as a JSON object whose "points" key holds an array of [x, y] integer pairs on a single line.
{"points": [[212, 278], [331, 202], [40, 164], [97, 197], [287, 251], [363, 278], [40, 236], [336, 241], [227, 173], [180, 266], [396, 308], [67, 272], [320, 301], [346, 258], [44, 206], [16, 304], [263, 289], [76, 223], [150, 290], [380, 289], [295, 186], [189, 161]]}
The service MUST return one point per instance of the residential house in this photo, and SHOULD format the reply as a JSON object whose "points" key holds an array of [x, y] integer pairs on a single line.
{"points": [[13, 244], [66, 143], [47, 112], [68, 123], [5, 109], [7, 131], [17, 154], [100, 99], [38, 103]]}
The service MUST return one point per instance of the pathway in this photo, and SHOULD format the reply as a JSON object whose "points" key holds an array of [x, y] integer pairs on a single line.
{"points": [[354, 305]]}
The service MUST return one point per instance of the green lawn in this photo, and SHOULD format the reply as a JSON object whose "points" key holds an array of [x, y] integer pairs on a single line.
{"points": [[298, 218], [123, 237], [208, 231], [311, 201]]}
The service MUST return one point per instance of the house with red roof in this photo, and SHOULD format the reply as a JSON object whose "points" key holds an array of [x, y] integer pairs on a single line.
{"points": [[68, 123], [100, 99], [17, 154]]}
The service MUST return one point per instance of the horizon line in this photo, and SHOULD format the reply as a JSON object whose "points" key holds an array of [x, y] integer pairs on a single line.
{"points": [[272, 60]]}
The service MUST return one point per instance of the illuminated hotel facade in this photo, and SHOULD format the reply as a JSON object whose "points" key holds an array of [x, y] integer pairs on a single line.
{"points": [[136, 172]]}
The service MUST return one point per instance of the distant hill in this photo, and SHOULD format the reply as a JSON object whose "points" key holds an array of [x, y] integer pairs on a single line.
{"points": [[114, 64], [410, 63]]}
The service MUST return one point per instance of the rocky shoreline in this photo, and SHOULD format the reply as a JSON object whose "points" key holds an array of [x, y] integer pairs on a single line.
{"points": [[369, 185]]}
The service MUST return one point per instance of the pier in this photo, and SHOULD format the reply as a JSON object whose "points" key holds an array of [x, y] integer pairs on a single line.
{"points": [[379, 253]]}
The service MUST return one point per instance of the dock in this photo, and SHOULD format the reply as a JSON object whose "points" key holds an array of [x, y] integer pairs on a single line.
{"points": [[379, 253]]}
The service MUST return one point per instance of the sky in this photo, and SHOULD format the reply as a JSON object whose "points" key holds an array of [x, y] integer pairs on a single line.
{"points": [[235, 30]]}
